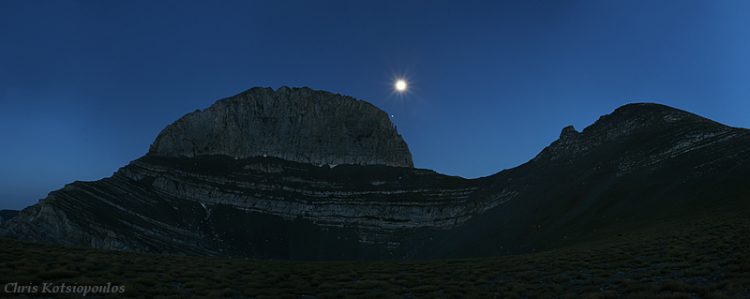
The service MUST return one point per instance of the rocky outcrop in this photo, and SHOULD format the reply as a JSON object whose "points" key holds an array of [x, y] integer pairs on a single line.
{"points": [[295, 124], [202, 206], [642, 162]]}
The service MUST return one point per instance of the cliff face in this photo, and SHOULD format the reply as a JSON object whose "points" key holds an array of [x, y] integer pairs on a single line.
{"points": [[295, 124], [206, 189]]}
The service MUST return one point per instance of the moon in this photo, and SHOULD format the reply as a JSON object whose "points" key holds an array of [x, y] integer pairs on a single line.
{"points": [[400, 85]]}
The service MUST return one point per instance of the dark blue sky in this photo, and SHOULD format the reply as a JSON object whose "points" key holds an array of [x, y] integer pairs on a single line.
{"points": [[85, 86]]}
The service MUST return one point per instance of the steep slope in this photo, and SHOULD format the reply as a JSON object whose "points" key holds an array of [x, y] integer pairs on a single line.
{"points": [[639, 165]]}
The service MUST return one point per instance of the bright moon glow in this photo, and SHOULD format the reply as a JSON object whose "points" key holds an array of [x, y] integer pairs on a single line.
{"points": [[400, 85]]}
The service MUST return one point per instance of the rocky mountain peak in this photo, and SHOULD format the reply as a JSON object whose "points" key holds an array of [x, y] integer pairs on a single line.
{"points": [[645, 120], [295, 124], [630, 117], [568, 133]]}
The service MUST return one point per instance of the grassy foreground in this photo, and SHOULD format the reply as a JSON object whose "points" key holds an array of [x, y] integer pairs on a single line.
{"points": [[705, 258]]}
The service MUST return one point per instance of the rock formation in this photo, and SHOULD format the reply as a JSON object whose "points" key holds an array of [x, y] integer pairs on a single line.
{"points": [[252, 176], [294, 124]]}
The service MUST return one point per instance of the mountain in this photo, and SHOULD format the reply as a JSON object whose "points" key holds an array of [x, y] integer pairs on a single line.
{"points": [[642, 165], [6, 215], [299, 124], [295, 173]]}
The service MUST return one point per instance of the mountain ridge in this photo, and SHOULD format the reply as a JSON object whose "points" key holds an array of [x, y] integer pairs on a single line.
{"points": [[636, 164]]}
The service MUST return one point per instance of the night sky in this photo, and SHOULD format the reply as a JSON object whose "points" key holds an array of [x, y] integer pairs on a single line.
{"points": [[85, 86]]}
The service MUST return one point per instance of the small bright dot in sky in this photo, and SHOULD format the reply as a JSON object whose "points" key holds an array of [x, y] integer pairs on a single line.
{"points": [[400, 85]]}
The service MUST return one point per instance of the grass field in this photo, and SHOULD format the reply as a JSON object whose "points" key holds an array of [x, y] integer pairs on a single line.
{"points": [[706, 257]]}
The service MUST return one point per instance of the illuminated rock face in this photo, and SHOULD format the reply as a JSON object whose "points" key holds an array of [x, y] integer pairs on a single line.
{"points": [[294, 124]]}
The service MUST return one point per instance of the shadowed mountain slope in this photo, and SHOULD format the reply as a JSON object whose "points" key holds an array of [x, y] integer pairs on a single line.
{"points": [[6, 215]]}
